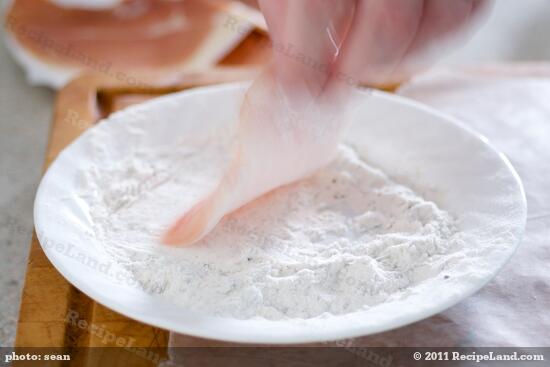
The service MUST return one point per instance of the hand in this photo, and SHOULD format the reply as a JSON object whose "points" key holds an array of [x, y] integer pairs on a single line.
{"points": [[362, 41]]}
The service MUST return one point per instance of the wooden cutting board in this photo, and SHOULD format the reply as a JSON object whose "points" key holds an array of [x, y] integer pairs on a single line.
{"points": [[53, 313]]}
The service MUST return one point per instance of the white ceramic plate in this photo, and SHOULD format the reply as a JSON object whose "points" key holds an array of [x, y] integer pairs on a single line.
{"points": [[440, 158]]}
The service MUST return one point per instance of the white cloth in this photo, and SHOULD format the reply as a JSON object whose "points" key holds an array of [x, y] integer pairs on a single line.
{"points": [[510, 105]]}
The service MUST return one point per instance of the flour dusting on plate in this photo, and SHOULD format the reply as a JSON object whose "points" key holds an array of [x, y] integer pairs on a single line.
{"points": [[340, 241]]}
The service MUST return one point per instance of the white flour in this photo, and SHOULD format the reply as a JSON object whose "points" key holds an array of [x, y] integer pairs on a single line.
{"points": [[341, 241]]}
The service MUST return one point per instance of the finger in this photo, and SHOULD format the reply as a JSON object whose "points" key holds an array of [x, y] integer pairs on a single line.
{"points": [[379, 37], [307, 36], [443, 24], [443, 18]]}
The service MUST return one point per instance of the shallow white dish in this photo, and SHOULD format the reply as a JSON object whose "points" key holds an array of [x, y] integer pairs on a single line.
{"points": [[441, 159]]}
